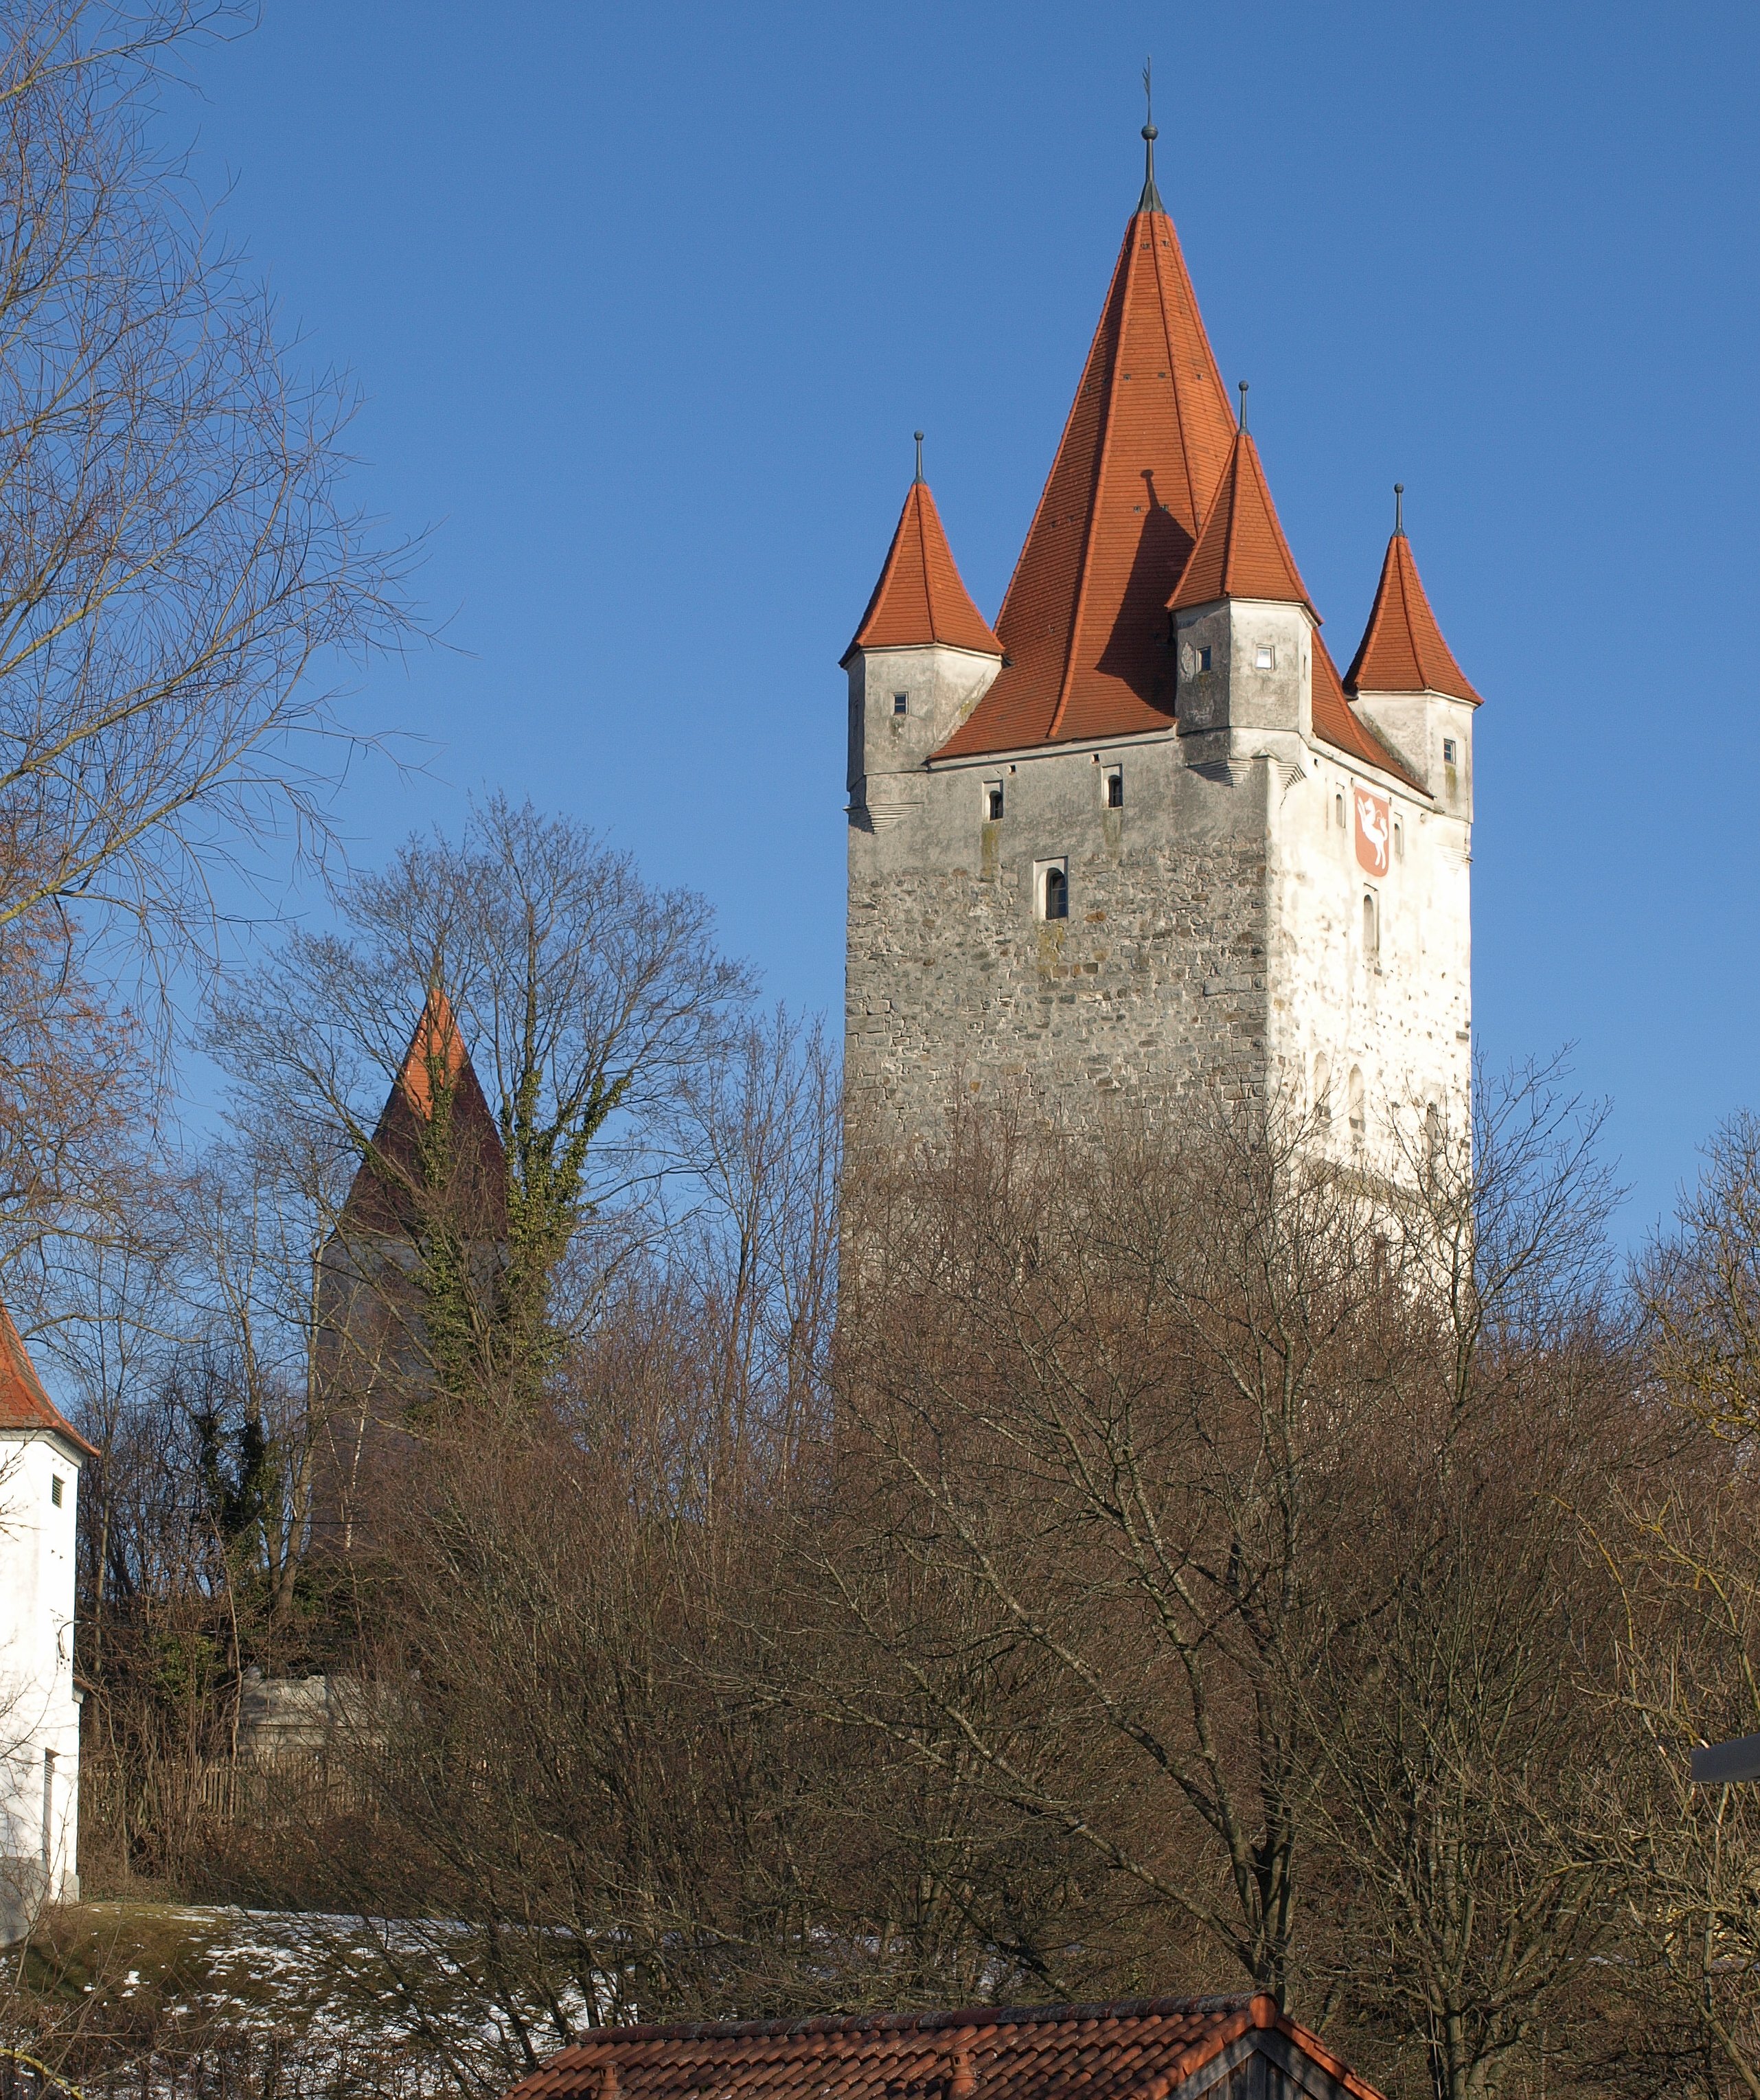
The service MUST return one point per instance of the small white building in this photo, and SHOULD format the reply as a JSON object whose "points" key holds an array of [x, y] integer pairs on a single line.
{"points": [[41, 1454]]}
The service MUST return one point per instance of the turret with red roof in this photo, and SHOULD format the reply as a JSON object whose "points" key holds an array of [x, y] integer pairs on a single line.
{"points": [[1139, 834]]}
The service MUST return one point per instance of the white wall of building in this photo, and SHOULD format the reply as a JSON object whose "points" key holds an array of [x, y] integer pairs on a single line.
{"points": [[39, 1708]]}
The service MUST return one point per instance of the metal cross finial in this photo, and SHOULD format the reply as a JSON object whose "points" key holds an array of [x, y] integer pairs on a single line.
{"points": [[1150, 200], [1241, 384], [920, 455], [1399, 510]]}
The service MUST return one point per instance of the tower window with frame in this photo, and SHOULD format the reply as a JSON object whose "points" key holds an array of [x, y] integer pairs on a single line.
{"points": [[901, 703], [1264, 657], [1448, 750], [1115, 787], [993, 802], [1054, 891], [1371, 927]]}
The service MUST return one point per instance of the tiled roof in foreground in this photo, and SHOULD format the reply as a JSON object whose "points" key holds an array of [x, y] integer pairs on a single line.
{"points": [[1143, 2049]]}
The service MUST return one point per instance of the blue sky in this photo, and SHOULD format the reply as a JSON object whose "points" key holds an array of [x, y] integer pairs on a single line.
{"points": [[646, 301]]}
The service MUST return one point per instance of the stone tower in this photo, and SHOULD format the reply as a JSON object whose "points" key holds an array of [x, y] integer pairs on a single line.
{"points": [[1142, 833]]}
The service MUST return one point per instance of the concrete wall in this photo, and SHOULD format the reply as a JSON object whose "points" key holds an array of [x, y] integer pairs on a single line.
{"points": [[39, 1708], [1215, 921]]}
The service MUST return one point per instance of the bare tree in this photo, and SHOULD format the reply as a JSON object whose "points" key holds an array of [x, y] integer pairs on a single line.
{"points": [[177, 551], [591, 1002]]}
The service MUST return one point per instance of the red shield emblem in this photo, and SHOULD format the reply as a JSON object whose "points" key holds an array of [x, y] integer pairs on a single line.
{"points": [[1374, 829]]}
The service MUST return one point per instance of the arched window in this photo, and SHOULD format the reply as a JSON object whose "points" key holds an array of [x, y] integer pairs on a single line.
{"points": [[1358, 1115], [1322, 1089], [1057, 894], [1371, 927]]}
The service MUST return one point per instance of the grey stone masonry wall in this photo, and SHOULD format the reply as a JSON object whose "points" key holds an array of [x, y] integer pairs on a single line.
{"points": [[958, 984]]}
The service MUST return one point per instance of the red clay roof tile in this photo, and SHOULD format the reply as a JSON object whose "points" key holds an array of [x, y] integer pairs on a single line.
{"points": [[1337, 723], [1241, 550], [1084, 622], [1137, 2050], [23, 1405], [1402, 650], [920, 598]]}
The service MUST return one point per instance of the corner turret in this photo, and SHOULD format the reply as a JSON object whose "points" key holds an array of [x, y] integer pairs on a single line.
{"points": [[1405, 683], [1244, 626], [922, 658]]}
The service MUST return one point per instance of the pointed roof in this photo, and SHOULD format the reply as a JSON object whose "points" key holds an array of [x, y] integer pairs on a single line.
{"points": [[920, 598], [1402, 650], [386, 1183], [23, 1404], [1336, 722], [1084, 622], [1241, 550]]}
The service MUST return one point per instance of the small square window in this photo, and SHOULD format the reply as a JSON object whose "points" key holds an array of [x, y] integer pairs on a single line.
{"points": [[901, 703], [1203, 658], [1448, 751], [993, 802], [1264, 657], [1115, 787], [55, 1489]]}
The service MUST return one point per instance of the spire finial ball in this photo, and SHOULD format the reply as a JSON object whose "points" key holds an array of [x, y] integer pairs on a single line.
{"points": [[1150, 133]]}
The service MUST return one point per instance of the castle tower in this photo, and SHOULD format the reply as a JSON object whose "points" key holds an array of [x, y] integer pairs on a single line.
{"points": [[1143, 834], [429, 1196], [41, 1454]]}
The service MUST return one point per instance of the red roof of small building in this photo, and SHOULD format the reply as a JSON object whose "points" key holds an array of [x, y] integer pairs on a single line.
{"points": [[920, 598], [1402, 650], [23, 1405], [1084, 622], [1241, 550], [1139, 2050]]}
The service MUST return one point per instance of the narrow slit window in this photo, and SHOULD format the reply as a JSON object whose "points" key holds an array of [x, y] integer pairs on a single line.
{"points": [[1115, 787], [1203, 658], [901, 703], [1057, 894], [1399, 839], [1448, 751], [993, 802], [1338, 810], [1371, 927]]}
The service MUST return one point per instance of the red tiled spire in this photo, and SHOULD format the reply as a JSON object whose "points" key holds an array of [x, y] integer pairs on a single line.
{"points": [[1336, 722], [1402, 650], [1084, 622], [436, 1051], [1241, 550], [23, 1405], [920, 598], [385, 1182]]}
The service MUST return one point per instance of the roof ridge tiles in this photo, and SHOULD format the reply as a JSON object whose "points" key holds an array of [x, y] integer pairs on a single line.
{"points": [[926, 2022]]}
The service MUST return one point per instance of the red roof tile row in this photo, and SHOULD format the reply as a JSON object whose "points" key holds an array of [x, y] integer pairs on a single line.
{"points": [[23, 1404], [1137, 2049]]}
